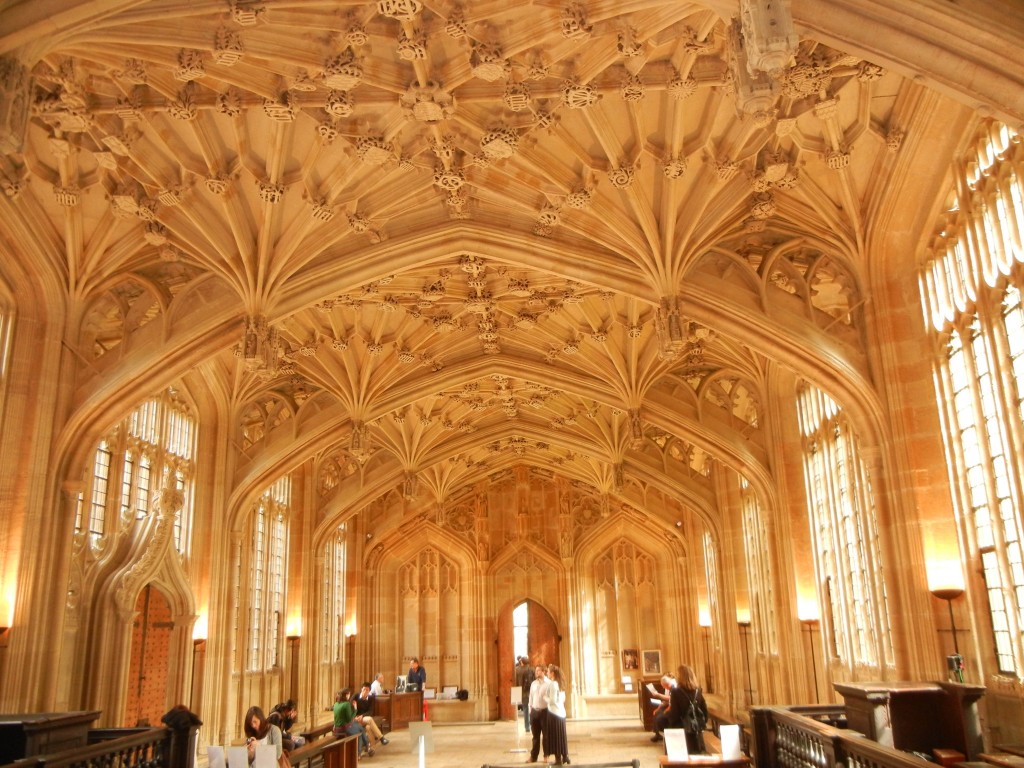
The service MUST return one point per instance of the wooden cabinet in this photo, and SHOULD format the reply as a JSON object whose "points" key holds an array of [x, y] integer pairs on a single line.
{"points": [[399, 709], [916, 717]]}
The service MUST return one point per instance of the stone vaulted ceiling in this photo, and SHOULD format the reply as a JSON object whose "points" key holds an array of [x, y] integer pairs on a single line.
{"points": [[423, 242]]}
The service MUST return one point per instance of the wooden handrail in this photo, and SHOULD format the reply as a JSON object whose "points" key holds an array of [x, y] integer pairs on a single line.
{"points": [[141, 748], [792, 738]]}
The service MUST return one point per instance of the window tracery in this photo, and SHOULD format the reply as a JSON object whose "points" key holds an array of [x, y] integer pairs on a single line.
{"points": [[843, 520], [971, 292], [268, 535], [152, 448]]}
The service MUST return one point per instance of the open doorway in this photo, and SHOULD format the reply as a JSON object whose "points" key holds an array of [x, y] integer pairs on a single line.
{"points": [[525, 628]]}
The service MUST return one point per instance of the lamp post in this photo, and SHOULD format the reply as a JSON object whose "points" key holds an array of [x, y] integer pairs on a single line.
{"points": [[293, 665], [811, 624], [949, 594], [955, 662], [198, 673], [744, 632], [709, 682]]}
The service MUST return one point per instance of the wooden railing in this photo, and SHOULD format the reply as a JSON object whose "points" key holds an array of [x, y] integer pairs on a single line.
{"points": [[797, 738], [123, 748], [166, 748]]}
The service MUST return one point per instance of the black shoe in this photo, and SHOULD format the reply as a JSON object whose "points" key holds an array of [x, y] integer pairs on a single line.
{"points": [[656, 738], [384, 741]]}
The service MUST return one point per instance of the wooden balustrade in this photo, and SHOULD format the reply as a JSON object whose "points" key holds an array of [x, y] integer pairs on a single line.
{"points": [[801, 737], [140, 748]]}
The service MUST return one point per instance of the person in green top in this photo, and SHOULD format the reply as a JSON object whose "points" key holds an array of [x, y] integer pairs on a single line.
{"points": [[345, 723]]}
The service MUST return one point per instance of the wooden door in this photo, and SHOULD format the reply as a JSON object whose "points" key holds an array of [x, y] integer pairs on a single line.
{"points": [[543, 643], [150, 663]]}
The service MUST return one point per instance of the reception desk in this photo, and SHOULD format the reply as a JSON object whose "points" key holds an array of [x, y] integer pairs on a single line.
{"points": [[399, 709]]}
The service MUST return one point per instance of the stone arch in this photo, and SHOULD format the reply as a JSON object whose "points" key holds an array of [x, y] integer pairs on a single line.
{"points": [[632, 595], [100, 644]]}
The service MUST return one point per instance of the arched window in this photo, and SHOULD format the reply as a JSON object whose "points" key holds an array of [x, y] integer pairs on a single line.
{"points": [[980, 375], [152, 448], [844, 527], [332, 593], [267, 567]]}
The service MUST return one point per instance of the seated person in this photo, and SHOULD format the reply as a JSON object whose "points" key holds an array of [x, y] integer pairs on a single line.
{"points": [[345, 721], [661, 713], [284, 716], [259, 730], [377, 687], [364, 712]]}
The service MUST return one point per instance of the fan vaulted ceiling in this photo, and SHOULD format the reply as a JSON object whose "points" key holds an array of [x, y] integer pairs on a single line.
{"points": [[424, 242]]}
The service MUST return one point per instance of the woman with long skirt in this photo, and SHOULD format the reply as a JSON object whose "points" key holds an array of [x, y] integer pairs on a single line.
{"points": [[555, 741]]}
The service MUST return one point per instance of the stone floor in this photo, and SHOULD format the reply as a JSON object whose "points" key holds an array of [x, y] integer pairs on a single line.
{"points": [[503, 743]]}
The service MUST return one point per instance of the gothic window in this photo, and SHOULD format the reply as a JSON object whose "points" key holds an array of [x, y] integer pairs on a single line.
{"points": [[843, 519], [100, 483], [267, 567], [971, 289], [153, 448], [759, 570], [333, 599]]}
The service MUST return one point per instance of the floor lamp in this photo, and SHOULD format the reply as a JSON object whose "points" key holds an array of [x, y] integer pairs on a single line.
{"points": [[811, 624], [956, 661], [744, 632]]}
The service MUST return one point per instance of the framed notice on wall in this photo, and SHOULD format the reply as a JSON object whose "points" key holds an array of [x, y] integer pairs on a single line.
{"points": [[630, 658], [652, 663]]}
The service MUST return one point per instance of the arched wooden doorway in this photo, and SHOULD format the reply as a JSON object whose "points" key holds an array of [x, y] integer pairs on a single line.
{"points": [[527, 628], [148, 672]]}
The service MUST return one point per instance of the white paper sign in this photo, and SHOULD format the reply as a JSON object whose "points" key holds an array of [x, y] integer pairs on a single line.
{"points": [[266, 756], [675, 745], [730, 738], [238, 757]]}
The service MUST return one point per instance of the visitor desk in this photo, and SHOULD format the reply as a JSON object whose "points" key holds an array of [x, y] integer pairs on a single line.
{"points": [[399, 709]]}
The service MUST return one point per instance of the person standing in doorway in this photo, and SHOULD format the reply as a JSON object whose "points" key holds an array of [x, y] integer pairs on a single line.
{"points": [[523, 680], [557, 743], [538, 708]]}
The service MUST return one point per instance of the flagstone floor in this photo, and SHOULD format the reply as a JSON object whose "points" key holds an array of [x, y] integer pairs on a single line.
{"points": [[504, 743]]}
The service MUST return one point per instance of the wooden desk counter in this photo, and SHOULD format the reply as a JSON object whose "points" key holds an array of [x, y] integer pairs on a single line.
{"points": [[399, 709], [696, 761]]}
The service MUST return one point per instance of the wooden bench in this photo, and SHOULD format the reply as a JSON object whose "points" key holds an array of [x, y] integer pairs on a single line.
{"points": [[327, 753], [327, 729]]}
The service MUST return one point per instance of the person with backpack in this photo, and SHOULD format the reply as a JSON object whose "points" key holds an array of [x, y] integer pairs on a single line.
{"points": [[688, 709]]}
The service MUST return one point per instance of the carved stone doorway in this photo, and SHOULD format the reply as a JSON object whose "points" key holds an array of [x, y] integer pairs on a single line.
{"points": [[534, 627], [148, 672]]}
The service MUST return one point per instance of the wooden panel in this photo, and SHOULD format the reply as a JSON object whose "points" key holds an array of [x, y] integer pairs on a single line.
{"points": [[399, 709], [646, 708]]}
